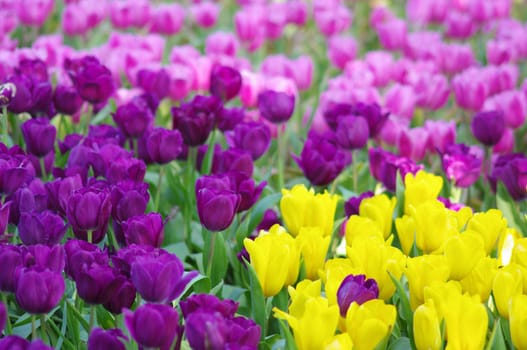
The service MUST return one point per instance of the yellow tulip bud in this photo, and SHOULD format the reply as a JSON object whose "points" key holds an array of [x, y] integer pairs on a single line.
{"points": [[314, 247], [316, 326], [358, 226], [466, 321], [379, 208], [479, 280], [304, 290], [420, 188], [518, 321], [507, 283], [374, 258], [423, 271], [301, 207], [370, 323], [427, 329], [406, 232], [462, 252], [340, 341], [275, 258], [462, 215], [434, 224], [441, 293], [490, 225], [335, 270]]}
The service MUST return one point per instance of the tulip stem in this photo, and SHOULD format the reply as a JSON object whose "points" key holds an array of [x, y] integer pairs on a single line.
{"points": [[8, 327], [90, 236], [189, 178], [92, 316], [43, 327], [44, 175], [355, 171], [158, 192], [211, 252], [33, 327], [4, 126]]}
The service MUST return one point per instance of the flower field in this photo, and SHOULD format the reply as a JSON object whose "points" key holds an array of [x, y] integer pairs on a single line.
{"points": [[263, 174]]}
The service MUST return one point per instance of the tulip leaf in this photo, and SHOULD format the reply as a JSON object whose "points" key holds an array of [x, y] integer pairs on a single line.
{"points": [[510, 210], [286, 333], [402, 343], [258, 313], [407, 313], [105, 112], [399, 195], [215, 259], [496, 340]]}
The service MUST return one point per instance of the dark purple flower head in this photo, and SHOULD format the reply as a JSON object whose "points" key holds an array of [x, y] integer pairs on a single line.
{"points": [[385, 165], [128, 254], [247, 189], [233, 160], [153, 325], [276, 107], [101, 339], [352, 205], [60, 190], [123, 296], [208, 303], [129, 198], [225, 82], [321, 159], [81, 254], [42, 100], [134, 118], [358, 289], [10, 259], [14, 342], [122, 169], [34, 68], [196, 118], [352, 132], [39, 136], [252, 137], [38, 291], [15, 171], [216, 205], [147, 229], [488, 127], [70, 141], [96, 283], [67, 99], [44, 257], [7, 93], [41, 228], [154, 82], [228, 118], [93, 81], [374, 116], [205, 330], [462, 164], [511, 170], [162, 145], [269, 219], [243, 333], [104, 134], [334, 111]]}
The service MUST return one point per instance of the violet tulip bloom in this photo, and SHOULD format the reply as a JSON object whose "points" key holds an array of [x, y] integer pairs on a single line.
{"points": [[385, 165], [155, 82], [228, 118], [352, 205], [356, 289], [147, 229], [80, 255], [97, 283], [225, 82], [208, 303], [101, 339], [134, 118], [196, 119], [276, 107], [41, 256], [216, 207], [93, 81], [67, 99], [10, 259], [247, 189], [38, 291], [3, 316], [16, 342], [462, 164], [511, 170], [122, 297], [39, 136], [488, 127], [352, 132], [162, 145], [252, 137], [41, 228]]}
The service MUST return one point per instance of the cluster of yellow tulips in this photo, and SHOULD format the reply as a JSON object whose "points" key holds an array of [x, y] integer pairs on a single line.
{"points": [[445, 277]]}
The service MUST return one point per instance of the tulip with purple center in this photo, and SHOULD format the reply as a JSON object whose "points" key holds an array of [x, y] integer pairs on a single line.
{"points": [[462, 164], [38, 290], [15, 342], [321, 159], [155, 82], [216, 207], [101, 339], [154, 325], [276, 107], [88, 211], [67, 100], [93, 81], [45, 257], [147, 229], [7, 93], [488, 127], [162, 145], [196, 119], [41, 228], [352, 205], [134, 118], [160, 278], [511, 170], [39, 136], [356, 289], [352, 132], [225, 82]]}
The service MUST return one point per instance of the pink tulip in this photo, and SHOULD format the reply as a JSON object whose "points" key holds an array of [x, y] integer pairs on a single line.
{"points": [[342, 49], [221, 43], [512, 103], [392, 34], [167, 19], [506, 143], [205, 14], [400, 100], [442, 133], [414, 143]]}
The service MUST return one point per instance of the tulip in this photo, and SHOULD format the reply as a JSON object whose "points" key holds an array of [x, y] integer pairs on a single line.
{"points": [[101, 339], [124, 15], [414, 143], [10, 259], [301, 207], [342, 49], [153, 325], [67, 100], [405, 227], [380, 209], [511, 169], [479, 280], [434, 224], [206, 330], [352, 132], [488, 127], [513, 104], [249, 25], [356, 289], [352, 205], [208, 303], [461, 164], [147, 229], [162, 145], [7, 93], [275, 258], [155, 82], [339, 341], [133, 118], [463, 253], [470, 89], [506, 143], [195, 119], [38, 291], [313, 247], [221, 43], [17, 342], [392, 34], [426, 327], [96, 283], [423, 271], [81, 254], [358, 227], [3, 316], [421, 188], [507, 283], [385, 165], [39, 136], [228, 118], [93, 80], [122, 297], [247, 189], [490, 225], [276, 107], [216, 208], [400, 100], [44, 228], [205, 13], [370, 323], [518, 321], [252, 137], [167, 19], [225, 82], [332, 19]]}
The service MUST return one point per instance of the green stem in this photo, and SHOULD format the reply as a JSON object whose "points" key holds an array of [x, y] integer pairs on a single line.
{"points": [[355, 171], [90, 236], [43, 168], [87, 119], [92, 316], [4, 126], [33, 327], [212, 237], [43, 328], [158, 192], [189, 181], [8, 327]]}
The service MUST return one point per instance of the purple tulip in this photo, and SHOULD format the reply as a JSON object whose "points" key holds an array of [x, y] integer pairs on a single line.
{"points": [[462, 164], [10, 259], [450, 205], [60, 190], [154, 325], [14, 173], [167, 18], [162, 145], [39, 136], [196, 119], [247, 189], [93, 81], [122, 169], [276, 107], [229, 118], [7, 93], [488, 127], [144, 229], [385, 165], [225, 82], [511, 170], [352, 132], [41, 256], [67, 99], [3, 316], [321, 159], [104, 134], [96, 284], [128, 199], [80, 255], [155, 82], [244, 332], [205, 330], [22, 100], [270, 218], [216, 207], [134, 118], [38, 291], [358, 289], [14, 342], [101, 339], [159, 278], [252, 137], [122, 297], [233, 160], [335, 111], [352, 205], [45, 228], [4, 217], [208, 303], [89, 209], [374, 116]]}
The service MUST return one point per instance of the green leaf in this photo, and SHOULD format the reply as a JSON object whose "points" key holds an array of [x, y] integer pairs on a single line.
{"points": [[402, 343], [286, 333], [105, 112], [510, 210], [496, 340], [217, 267], [407, 313], [399, 195], [257, 300]]}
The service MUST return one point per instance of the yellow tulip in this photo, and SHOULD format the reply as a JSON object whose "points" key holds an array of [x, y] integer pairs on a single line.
{"points": [[490, 225], [462, 215], [301, 207], [316, 326], [370, 323], [275, 258], [335, 270], [427, 329], [304, 290], [506, 244], [519, 256], [405, 227], [441, 293], [374, 258], [340, 341], [479, 280], [314, 247], [466, 321], [462, 252], [421, 187], [518, 321], [423, 271], [506, 284], [358, 226], [434, 224], [379, 208]]}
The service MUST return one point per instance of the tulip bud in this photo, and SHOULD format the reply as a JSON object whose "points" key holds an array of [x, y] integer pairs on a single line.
{"points": [[134, 118], [39, 136], [488, 127], [427, 332], [144, 229], [101, 339], [196, 119], [276, 107], [93, 81], [163, 146], [49, 284], [356, 289], [225, 82], [67, 100], [216, 207]]}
